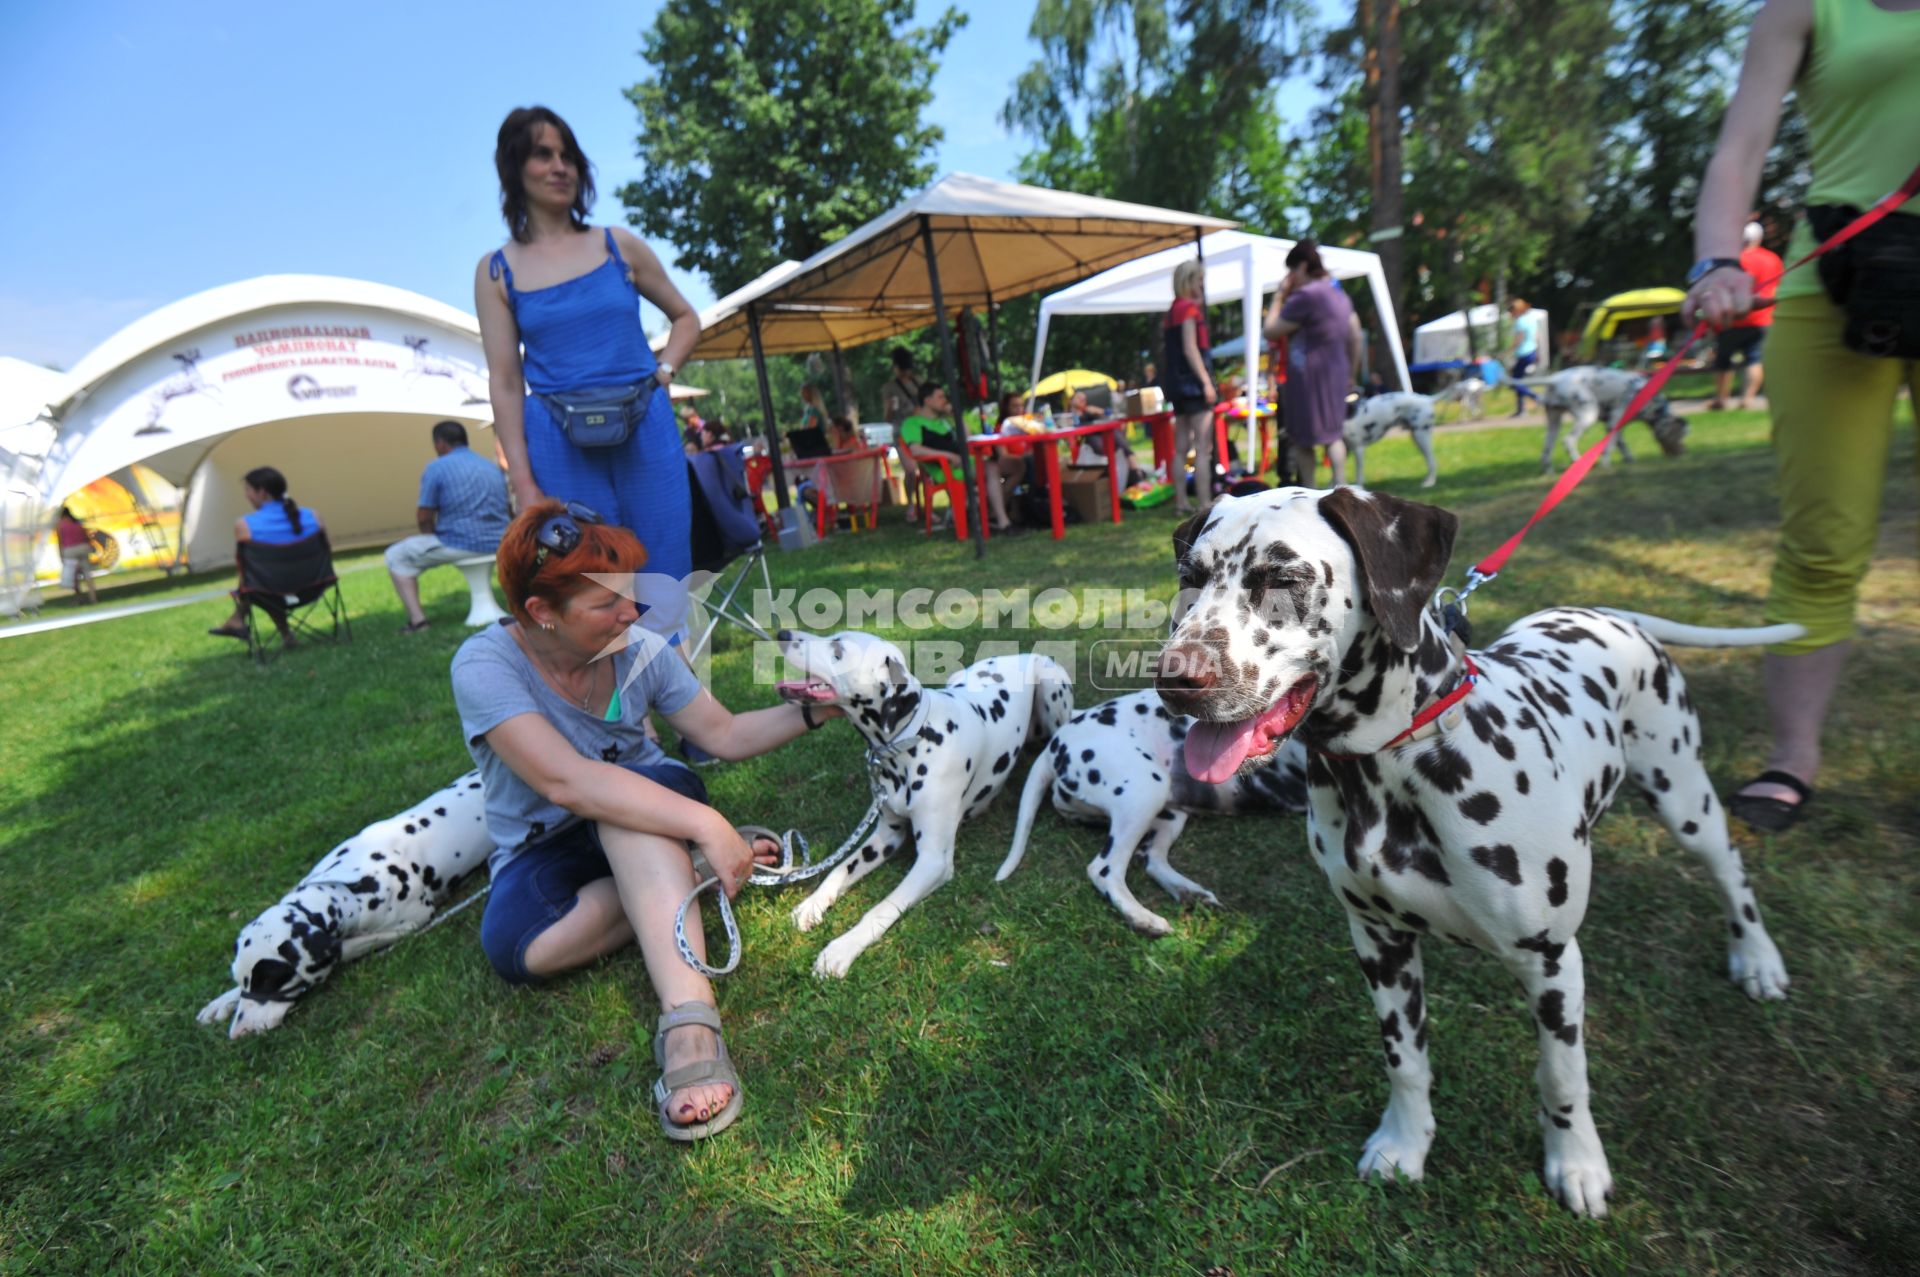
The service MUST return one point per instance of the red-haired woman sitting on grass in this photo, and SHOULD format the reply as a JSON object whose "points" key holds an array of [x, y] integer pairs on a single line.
{"points": [[592, 823]]}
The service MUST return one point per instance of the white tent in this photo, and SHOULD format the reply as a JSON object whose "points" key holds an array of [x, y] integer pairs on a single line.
{"points": [[1240, 267], [335, 382], [1446, 337]]}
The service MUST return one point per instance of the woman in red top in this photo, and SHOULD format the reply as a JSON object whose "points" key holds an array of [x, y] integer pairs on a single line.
{"points": [[76, 554], [1189, 384]]}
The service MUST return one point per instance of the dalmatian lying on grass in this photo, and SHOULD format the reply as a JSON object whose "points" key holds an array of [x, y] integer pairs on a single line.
{"points": [[1310, 622], [937, 756], [1588, 396], [1120, 763], [379, 885]]}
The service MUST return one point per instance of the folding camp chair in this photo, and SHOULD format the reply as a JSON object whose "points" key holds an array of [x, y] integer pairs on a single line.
{"points": [[853, 484], [726, 539], [295, 585]]}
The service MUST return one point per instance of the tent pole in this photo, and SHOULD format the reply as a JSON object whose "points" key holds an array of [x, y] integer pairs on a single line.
{"points": [[952, 367], [766, 409], [993, 351], [1250, 330]]}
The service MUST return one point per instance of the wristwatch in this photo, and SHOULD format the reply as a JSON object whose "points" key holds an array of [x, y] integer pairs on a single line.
{"points": [[666, 368], [1707, 265]]}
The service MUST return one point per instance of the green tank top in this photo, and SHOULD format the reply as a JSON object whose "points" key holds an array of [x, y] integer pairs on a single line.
{"points": [[1860, 92]]}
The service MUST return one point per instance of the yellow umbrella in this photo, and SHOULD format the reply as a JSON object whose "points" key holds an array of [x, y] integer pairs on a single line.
{"points": [[1071, 380]]}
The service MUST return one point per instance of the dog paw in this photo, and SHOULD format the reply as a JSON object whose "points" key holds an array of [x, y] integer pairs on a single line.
{"points": [[1388, 1155], [1582, 1184], [1149, 924], [836, 960], [220, 1009], [807, 914], [258, 1017], [1755, 965]]}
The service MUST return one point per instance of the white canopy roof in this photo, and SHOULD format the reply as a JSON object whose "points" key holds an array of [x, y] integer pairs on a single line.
{"points": [[991, 240], [333, 381], [1240, 267], [1446, 337]]}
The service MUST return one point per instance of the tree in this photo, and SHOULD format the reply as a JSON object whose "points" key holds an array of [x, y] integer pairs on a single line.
{"points": [[769, 130], [1167, 102], [1164, 102]]}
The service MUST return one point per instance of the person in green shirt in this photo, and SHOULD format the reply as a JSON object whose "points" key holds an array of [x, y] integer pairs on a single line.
{"points": [[930, 432]]}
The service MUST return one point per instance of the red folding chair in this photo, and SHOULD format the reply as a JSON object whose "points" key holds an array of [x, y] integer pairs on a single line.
{"points": [[940, 472]]}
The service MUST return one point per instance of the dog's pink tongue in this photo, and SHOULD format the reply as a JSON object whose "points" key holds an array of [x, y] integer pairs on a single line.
{"points": [[1216, 750]]}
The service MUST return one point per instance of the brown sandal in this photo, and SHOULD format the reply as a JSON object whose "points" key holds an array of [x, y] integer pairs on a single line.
{"points": [[701, 1073]]}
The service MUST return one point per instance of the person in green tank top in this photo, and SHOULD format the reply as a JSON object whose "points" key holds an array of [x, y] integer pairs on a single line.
{"points": [[1856, 67]]}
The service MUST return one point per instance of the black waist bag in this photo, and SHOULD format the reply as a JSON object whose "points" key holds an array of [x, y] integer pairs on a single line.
{"points": [[1875, 278], [600, 418]]}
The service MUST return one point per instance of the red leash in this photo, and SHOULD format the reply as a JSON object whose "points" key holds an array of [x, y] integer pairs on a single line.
{"points": [[1486, 569]]}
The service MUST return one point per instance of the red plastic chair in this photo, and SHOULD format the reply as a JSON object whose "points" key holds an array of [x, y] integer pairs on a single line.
{"points": [[940, 472], [758, 471], [852, 484]]}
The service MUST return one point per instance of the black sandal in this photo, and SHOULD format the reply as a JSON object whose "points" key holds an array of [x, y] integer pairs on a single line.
{"points": [[1771, 815], [224, 632]]}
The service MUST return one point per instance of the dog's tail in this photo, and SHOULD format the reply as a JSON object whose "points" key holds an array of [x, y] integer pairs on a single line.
{"points": [[1039, 781], [1708, 636]]}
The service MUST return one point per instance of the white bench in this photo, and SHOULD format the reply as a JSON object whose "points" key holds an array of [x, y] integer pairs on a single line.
{"points": [[479, 573]]}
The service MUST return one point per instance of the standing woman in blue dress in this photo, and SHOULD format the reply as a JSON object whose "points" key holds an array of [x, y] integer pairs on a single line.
{"points": [[559, 309]]}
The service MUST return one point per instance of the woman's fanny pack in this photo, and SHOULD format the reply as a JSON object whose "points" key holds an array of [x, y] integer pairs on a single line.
{"points": [[1875, 278], [600, 418]]}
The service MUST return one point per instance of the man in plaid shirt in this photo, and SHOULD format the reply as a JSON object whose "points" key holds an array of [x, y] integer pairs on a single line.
{"points": [[463, 512]]}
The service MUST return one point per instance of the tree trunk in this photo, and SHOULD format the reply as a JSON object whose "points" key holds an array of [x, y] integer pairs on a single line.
{"points": [[1379, 22], [843, 387]]}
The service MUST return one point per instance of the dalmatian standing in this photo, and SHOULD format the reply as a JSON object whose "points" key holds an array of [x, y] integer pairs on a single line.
{"points": [[1119, 762], [379, 885], [1469, 393], [1311, 622], [1375, 417], [187, 381], [1589, 396], [937, 757]]}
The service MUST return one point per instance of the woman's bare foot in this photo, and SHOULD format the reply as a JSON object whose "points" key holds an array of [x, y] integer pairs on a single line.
{"points": [[694, 1044]]}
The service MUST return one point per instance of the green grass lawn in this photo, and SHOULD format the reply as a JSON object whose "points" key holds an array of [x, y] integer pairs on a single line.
{"points": [[1010, 1081]]}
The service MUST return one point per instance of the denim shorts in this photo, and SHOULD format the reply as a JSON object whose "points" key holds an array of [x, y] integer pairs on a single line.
{"points": [[541, 884]]}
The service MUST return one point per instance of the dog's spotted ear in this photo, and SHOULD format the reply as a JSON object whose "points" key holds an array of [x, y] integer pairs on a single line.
{"points": [[1402, 548], [1189, 531], [895, 671]]}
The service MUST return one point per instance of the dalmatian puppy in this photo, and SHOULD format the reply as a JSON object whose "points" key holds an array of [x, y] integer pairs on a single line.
{"points": [[1589, 396], [382, 883], [1373, 418], [937, 755], [1119, 762], [1311, 622]]}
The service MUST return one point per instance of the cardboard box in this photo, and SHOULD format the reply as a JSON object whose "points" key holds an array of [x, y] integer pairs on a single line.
{"points": [[1145, 402], [1088, 491]]}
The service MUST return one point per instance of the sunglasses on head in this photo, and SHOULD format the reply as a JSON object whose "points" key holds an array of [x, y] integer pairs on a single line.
{"points": [[561, 534]]}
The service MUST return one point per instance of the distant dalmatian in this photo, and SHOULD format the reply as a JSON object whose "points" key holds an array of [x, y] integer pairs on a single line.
{"points": [[1120, 763], [1310, 622], [1589, 396], [1374, 418], [382, 883], [937, 756]]}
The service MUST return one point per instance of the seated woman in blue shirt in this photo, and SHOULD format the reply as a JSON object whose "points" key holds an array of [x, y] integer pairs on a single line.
{"points": [[277, 519], [592, 824]]}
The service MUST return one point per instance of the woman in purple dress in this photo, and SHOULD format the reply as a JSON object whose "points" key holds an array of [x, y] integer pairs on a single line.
{"points": [[1323, 348]]}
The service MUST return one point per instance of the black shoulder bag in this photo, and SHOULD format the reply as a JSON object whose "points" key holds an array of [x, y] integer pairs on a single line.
{"points": [[1875, 278], [601, 418]]}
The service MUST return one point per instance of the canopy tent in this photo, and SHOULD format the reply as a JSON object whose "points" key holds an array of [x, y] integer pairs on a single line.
{"points": [[1641, 303], [1445, 339], [27, 393], [1240, 267], [965, 242], [991, 241], [335, 382]]}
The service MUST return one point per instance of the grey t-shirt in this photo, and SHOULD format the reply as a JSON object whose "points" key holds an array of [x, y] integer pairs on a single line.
{"points": [[493, 681]]}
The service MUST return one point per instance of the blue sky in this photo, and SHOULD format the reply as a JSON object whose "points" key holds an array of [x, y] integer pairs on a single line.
{"points": [[161, 149]]}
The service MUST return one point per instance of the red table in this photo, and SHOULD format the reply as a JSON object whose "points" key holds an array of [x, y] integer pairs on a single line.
{"points": [[1047, 441]]}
